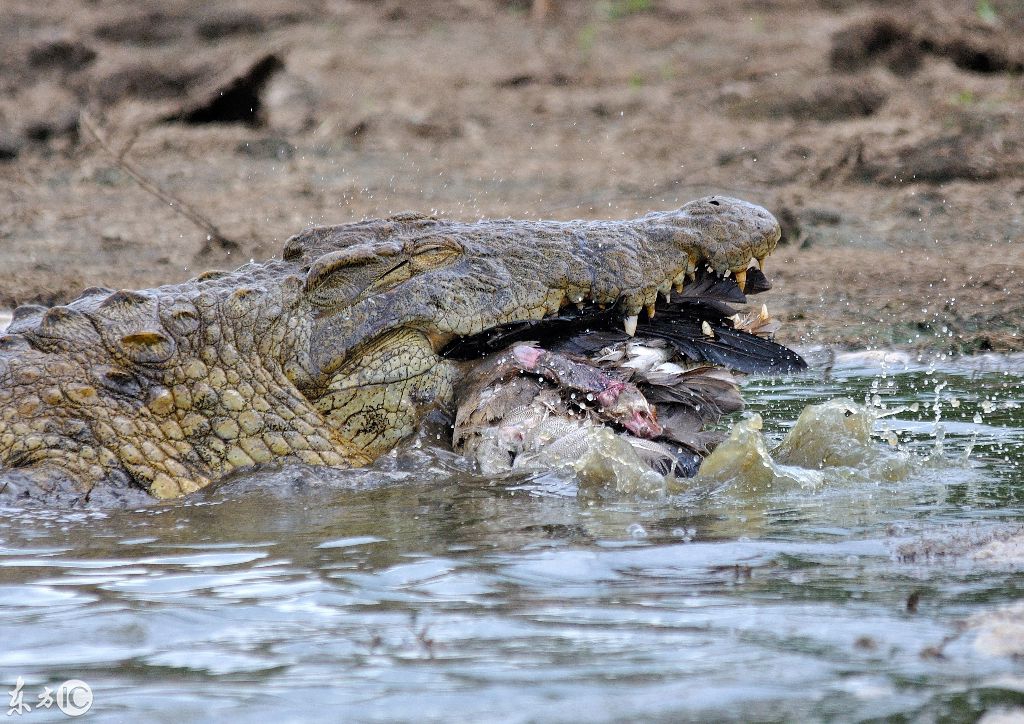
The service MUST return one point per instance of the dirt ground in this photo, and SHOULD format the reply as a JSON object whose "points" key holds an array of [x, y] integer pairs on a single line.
{"points": [[888, 137]]}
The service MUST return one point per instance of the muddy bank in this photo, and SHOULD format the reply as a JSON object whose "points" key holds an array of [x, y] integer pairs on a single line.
{"points": [[893, 150]]}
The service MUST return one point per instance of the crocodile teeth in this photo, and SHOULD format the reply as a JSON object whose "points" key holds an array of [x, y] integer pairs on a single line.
{"points": [[764, 313], [629, 324], [691, 267], [741, 279], [650, 310], [553, 304], [706, 329], [760, 261]]}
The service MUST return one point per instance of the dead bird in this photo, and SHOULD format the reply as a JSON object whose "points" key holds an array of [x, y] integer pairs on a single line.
{"points": [[547, 391]]}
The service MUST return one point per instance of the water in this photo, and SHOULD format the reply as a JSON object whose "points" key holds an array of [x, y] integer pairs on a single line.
{"points": [[428, 594]]}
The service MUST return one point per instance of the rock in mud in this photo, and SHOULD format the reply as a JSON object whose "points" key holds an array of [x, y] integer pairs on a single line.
{"points": [[236, 98], [886, 39], [901, 43], [65, 54], [10, 147]]}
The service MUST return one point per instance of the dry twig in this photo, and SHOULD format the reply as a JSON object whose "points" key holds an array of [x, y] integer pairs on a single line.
{"points": [[214, 237]]}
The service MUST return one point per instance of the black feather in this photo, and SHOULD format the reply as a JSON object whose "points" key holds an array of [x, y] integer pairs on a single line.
{"points": [[711, 288], [548, 331], [757, 282], [680, 323], [731, 348]]}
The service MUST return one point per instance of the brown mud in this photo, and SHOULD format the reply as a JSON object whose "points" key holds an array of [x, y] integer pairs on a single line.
{"points": [[888, 137]]}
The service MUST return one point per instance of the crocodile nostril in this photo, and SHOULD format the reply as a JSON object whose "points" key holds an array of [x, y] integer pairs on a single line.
{"points": [[715, 202]]}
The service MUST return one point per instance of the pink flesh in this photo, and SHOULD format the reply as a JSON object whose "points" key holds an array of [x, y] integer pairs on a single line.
{"points": [[527, 356], [643, 425], [610, 394]]}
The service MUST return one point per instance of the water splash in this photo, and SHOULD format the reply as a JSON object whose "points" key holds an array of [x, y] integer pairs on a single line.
{"points": [[599, 459], [830, 442]]}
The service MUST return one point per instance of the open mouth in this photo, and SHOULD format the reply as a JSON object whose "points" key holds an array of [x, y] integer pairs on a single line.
{"points": [[698, 321]]}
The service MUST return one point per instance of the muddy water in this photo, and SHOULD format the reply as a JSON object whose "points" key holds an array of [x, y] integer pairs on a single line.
{"points": [[419, 592]]}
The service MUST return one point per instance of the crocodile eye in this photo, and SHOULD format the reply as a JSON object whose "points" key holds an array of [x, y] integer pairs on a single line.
{"points": [[392, 277], [334, 290], [425, 255], [344, 276], [338, 276], [434, 252]]}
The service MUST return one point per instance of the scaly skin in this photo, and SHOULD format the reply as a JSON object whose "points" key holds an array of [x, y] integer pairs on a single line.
{"points": [[328, 356]]}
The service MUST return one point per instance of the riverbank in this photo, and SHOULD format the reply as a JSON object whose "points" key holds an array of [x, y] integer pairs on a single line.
{"points": [[897, 167]]}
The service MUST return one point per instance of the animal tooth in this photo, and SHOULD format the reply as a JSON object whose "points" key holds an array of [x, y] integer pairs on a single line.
{"points": [[650, 310], [760, 261], [764, 312], [741, 279], [706, 329], [554, 303], [629, 323]]}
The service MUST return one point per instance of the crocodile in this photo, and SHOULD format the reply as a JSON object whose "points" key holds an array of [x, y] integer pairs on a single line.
{"points": [[329, 355]]}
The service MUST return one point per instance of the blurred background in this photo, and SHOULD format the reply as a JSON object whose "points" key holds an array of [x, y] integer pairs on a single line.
{"points": [[887, 136]]}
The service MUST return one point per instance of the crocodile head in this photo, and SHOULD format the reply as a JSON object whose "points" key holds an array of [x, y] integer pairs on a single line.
{"points": [[330, 355]]}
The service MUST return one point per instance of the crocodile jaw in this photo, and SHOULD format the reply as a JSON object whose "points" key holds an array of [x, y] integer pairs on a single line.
{"points": [[376, 400], [173, 388], [495, 273]]}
